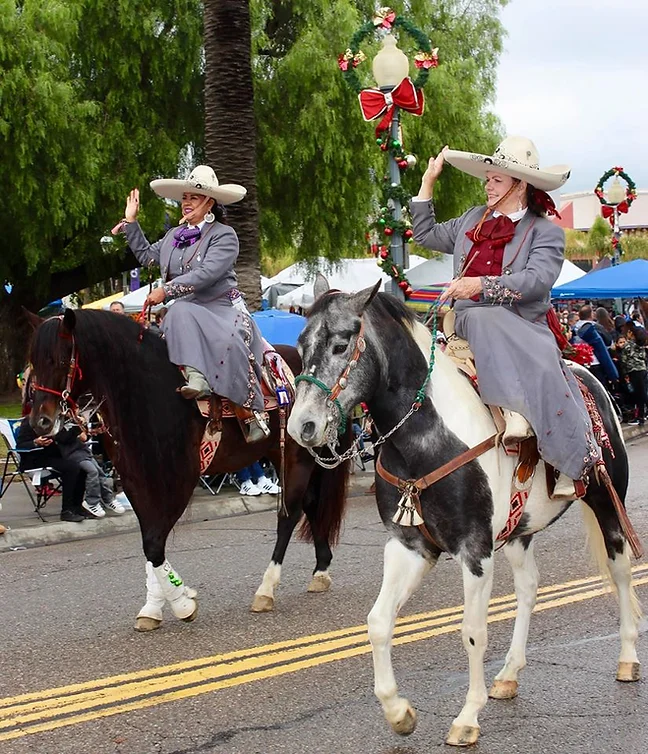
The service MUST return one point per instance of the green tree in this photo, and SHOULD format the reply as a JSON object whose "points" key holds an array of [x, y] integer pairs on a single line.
{"points": [[96, 97], [599, 238], [316, 156]]}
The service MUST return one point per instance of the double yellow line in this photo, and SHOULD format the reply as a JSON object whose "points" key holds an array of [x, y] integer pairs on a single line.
{"points": [[81, 702]]}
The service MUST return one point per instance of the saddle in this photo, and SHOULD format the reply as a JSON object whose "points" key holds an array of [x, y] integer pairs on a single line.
{"points": [[278, 389]]}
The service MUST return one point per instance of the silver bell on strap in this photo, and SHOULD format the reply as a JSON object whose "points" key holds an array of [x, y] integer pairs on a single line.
{"points": [[406, 512]]}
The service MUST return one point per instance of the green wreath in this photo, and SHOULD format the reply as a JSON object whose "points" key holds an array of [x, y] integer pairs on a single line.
{"points": [[425, 59], [631, 188]]}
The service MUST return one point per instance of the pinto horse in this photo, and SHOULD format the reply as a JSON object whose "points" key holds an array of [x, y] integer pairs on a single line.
{"points": [[462, 512], [153, 437]]}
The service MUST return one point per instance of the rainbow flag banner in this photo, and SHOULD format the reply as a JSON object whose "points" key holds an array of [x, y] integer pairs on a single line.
{"points": [[423, 298]]}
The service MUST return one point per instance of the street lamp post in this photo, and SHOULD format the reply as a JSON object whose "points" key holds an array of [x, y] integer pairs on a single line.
{"points": [[615, 195], [390, 66]]}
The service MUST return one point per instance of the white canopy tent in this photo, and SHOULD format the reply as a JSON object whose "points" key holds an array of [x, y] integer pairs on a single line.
{"points": [[568, 273], [134, 301], [349, 275]]}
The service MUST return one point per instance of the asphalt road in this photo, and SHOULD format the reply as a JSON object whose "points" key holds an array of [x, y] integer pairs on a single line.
{"points": [[300, 679]]}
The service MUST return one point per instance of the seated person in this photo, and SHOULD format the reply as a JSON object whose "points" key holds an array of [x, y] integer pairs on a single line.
{"points": [[38, 452], [261, 486], [99, 496]]}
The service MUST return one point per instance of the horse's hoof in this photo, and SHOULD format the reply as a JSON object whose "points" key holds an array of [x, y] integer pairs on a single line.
{"points": [[262, 604], [407, 724], [143, 624], [627, 672], [191, 618], [503, 690], [463, 735], [321, 582]]}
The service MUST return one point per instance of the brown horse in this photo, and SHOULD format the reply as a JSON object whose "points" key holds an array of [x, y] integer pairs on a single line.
{"points": [[154, 437]]}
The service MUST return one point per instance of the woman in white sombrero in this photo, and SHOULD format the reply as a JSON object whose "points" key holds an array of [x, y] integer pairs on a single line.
{"points": [[507, 256], [208, 330]]}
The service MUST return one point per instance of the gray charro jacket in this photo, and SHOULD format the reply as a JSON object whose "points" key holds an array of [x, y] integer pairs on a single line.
{"points": [[209, 271], [531, 264]]}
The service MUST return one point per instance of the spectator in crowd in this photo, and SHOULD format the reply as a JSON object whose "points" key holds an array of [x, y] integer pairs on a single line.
{"points": [[99, 497], [632, 356], [38, 452], [254, 481], [156, 322], [360, 426], [602, 366], [117, 307], [605, 326], [637, 319]]}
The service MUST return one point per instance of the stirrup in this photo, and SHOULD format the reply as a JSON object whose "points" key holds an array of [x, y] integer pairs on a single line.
{"points": [[254, 424], [568, 489]]}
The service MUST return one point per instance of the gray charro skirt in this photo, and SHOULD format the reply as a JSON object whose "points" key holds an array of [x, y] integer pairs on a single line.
{"points": [[519, 367], [221, 342]]}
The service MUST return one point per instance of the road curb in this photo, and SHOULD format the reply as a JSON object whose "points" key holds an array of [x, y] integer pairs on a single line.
{"points": [[57, 532]]}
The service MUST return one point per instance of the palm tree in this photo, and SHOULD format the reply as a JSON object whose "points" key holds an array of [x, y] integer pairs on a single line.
{"points": [[230, 129]]}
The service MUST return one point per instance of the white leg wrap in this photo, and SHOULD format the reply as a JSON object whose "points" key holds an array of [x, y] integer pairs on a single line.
{"points": [[154, 596], [180, 597]]}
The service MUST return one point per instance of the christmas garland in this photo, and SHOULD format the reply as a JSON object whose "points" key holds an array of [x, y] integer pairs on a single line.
{"points": [[384, 227], [631, 188], [425, 59]]}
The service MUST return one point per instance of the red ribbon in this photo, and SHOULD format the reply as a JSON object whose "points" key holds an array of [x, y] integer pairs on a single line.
{"points": [[375, 103], [607, 210], [546, 202]]}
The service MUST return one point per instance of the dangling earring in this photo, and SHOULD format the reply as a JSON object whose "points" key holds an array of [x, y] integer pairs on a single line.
{"points": [[520, 205], [209, 217]]}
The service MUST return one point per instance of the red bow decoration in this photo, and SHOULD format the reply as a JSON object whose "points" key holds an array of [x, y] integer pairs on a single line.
{"points": [[546, 202], [375, 103], [608, 211]]}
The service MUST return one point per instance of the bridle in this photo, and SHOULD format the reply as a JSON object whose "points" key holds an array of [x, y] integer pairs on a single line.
{"points": [[341, 382], [68, 405]]}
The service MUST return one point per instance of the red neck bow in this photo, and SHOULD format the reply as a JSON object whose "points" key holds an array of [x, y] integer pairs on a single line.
{"points": [[375, 103]]}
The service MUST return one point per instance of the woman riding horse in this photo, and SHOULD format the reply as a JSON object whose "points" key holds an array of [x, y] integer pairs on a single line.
{"points": [[209, 332], [507, 256]]}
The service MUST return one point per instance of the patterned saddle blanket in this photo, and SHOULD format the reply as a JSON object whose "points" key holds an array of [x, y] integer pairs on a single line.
{"points": [[278, 388]]}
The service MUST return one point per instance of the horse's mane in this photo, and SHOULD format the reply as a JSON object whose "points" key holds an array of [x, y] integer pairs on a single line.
{"points": [[384, 306], [130, 368]]}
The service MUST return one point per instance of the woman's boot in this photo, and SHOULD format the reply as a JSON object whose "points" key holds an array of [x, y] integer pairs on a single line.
{"points": [[197, 385]]}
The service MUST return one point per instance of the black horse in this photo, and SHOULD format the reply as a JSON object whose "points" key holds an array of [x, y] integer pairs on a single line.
{"points": [[367, 347], [154, 437]]}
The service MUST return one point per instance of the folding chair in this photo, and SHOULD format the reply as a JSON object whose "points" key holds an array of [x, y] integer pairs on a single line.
{"points": [[43, 481]]}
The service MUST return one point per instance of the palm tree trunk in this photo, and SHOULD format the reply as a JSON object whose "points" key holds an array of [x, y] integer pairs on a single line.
{"points": [[230, 129]]}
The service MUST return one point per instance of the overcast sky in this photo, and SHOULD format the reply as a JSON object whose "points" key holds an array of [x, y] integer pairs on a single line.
{"points": [[574, 79]]}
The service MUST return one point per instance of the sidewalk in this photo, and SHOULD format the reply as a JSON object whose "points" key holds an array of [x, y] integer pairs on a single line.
{"points": [[26, 530]]}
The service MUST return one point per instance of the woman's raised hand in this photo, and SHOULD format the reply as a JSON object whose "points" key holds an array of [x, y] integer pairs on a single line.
{"points": [[433, 171], [435, 166], [132, 206]]}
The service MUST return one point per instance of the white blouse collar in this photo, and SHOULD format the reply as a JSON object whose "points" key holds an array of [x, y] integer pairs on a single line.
{"points": [[514, 216]]}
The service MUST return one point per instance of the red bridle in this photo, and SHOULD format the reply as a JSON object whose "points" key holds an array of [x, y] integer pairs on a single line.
{"points": [[74, 371]]}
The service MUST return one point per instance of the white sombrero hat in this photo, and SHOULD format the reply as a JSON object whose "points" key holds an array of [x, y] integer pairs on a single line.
{"points": [[515, 156], [202, 180]]}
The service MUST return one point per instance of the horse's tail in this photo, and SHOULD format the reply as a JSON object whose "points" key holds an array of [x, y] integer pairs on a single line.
{"points": [[327, 497], [598, 551]]}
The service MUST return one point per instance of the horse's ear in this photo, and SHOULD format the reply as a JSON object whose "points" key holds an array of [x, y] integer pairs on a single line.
{"points": [[321, 286], [34, 320], [361, 300], [69, 320]]}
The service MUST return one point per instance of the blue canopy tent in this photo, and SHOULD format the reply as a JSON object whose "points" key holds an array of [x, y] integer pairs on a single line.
{"points": [[279, 327], [627, 280]]}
